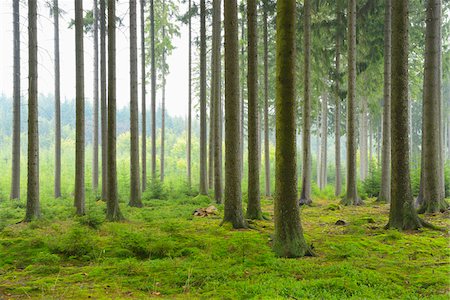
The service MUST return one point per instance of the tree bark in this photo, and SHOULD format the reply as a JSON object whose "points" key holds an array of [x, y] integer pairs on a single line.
{"points": [[57, 182], [163, 100], [216, 98], [288, 238], [242, 112], [203, 136], [433, 197], [402, 215], [112, 205], [211, 121], [385, 190], [324, 134], [144, 104], [233, 197], [33, 207], [80, 127], [103, 99], [135, 191], [254, 202], [337, 106], [266, 101], [189, 134], [95, 99], [351, 198], [363, 139], [153, 87], [15, 176], [305, 197]]}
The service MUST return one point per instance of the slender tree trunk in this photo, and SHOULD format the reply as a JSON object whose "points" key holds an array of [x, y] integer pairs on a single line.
{"points": [[211, 122], [433, 197], [216, 98], [318, 169], [385, 190], [370, 144], [305, 197], [266, 101], [135, 191], [112, 205], [163, 100], [57, 182], [203, 136], [288, 238], [363, 139], [351, 197], [323, 152], [254, 202], [144, 104], [103, 99], [242, 111], [95, 99], [233, 196], [402, 214], [189, 137], [15, 176], [79, 130], [153, 87], [337, 107], [33, 209]]}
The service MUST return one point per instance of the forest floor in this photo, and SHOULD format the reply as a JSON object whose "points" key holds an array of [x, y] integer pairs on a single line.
{"points": [[163, 251]]}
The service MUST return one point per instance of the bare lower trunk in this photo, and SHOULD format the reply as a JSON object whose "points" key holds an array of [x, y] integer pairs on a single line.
{"points": [[57, 182], [15, 176], [153, 87], [33, 208], [337, 107], [323, 152], [189, 137], [103, 99], [363, 140], [163, 100], [95, 99], [144, 104], [203, 136], [266, 103]]}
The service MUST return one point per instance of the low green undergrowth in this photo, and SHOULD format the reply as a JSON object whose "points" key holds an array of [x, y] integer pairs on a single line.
{"points": [[162, 250]]}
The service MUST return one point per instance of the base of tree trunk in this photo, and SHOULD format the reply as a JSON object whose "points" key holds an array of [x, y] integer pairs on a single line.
{"points": [[351, 201], [292, 248], [137, 204], [409, 221], [255, 215], [434, 207], [382, 199], [304, 201], [115, 216], [237, 223]]}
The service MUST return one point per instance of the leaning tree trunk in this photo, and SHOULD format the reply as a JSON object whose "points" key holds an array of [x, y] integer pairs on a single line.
{"points": [[163, 100], [79, 128], [385, 190], [266, 102], [288, 238], [33, 209], [254, 202], [323, 152], [203, 137], [216, 98], [103, 108], [144, 105], [189, 134], [15, 176], [433, 198], [337, 107], [135, 191], [402, 215], [305, 196], [351, 198], [57, 182], [233, 196], [95, 99], [153, 87], [112, 204]]}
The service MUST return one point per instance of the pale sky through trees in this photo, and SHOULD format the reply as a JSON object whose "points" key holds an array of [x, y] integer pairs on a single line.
{"points": [[176, 84]]}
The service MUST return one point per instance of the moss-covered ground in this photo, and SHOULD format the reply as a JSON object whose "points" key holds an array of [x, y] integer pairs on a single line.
{"points": [[163, 251]]}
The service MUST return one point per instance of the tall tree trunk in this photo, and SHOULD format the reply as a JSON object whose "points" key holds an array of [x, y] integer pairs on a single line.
{"points": [[103, 99], [57, 182], [402, 214], [385, 190], [189, 134], [216, 98], [288, 238], [211, 122], [433, 197], [323, 152], [135, 191], [242, 112], [370, 144], [337, 106], [318, 169], [363, 139], [144, 104], [163, 100], [95, 99], [79, 130], [112, 205], [266, 101], [153, 87], [15, 176], [351, 198], [254, 202], [203, 137], [233, 196], [33, 209], [305, 196]]}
